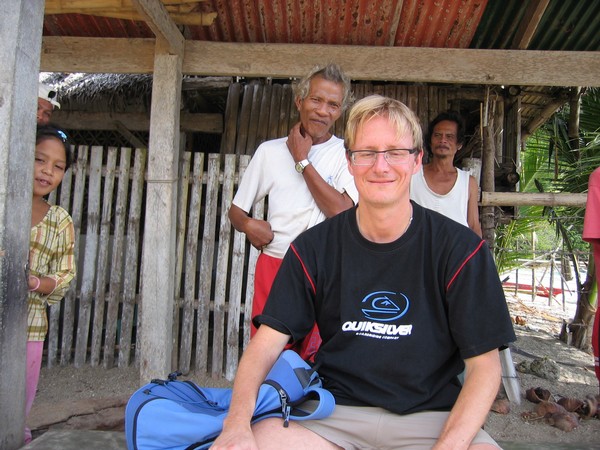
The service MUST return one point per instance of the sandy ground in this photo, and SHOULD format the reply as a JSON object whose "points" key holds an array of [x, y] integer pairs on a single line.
{"points": [[537, 338]]}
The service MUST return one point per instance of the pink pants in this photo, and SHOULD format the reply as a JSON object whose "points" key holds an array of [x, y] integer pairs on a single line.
{"points": [[35, 350]]}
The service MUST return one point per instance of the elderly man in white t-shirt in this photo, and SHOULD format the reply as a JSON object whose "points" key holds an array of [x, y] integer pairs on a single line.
{"points": [[305, 176]]}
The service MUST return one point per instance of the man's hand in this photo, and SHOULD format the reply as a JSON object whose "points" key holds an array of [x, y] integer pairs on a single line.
{"points": [[235, 439], [299, 143], [259, 233]]}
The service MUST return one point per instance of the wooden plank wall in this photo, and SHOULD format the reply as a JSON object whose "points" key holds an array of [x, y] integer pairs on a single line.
{"points": [[97, 322], [257, 112]]}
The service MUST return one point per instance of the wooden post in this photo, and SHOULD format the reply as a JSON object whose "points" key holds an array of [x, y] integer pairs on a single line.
{"points": [[533, 282], [20, 43], [551, 287], [488, 184], [158, 256]]}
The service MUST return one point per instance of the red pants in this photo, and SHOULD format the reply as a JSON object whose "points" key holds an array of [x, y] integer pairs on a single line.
{"points": [[266, 269]]}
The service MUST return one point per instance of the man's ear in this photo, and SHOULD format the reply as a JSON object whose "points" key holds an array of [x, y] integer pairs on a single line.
{"points": [[418, 162], [298, 102]]}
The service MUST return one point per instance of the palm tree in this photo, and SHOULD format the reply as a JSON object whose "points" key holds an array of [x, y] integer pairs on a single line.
{"points": [[557, 161], [581, 154]]}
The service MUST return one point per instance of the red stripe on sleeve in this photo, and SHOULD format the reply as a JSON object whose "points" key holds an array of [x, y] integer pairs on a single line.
{"points": [[310, 280], [463, 265]]}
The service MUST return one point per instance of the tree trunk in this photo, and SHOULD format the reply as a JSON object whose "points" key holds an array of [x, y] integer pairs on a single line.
{"points": [[581, 327]]}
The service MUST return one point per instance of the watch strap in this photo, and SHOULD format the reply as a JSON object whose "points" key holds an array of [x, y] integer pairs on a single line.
{"points": [[301, 165]]}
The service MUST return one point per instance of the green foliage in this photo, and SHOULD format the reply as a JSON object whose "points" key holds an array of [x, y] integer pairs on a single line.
{"points": [[551, 162]]}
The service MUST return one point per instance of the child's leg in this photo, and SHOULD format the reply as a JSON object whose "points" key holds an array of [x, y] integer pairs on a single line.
{"points": [[34, 363]]}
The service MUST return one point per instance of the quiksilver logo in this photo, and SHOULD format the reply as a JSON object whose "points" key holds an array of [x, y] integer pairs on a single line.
{"points": [[385, 306], [378, 328]]}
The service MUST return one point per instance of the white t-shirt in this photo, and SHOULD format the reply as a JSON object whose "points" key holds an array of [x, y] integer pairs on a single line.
{"points": [[454, 204], [291, 207]]}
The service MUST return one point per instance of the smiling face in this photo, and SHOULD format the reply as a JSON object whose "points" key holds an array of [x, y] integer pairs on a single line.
{"points": [[321, 108], [49, 166], [383, 184]]}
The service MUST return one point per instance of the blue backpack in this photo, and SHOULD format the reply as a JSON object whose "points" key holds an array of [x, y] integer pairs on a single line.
{"points": [[180, 415]]}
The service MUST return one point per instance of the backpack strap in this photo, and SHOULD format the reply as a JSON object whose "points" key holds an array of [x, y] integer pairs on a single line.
{"points": [[291, 410], [325, 405]]}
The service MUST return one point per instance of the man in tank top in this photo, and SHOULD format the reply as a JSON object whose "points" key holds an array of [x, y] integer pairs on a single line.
{"points": [[439, 185]]}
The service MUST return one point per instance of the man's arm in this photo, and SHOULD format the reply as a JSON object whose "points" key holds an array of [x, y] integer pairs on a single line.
{"points": [[257, 231], [257, 360], [482, 380], [329, 200], [472, 208]]}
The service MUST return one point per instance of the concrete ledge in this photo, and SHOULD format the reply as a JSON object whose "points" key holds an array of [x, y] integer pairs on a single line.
{"points": [[78, 439]]}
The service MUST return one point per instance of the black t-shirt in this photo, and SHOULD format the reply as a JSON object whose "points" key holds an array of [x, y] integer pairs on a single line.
{"points": [[396, 319]]}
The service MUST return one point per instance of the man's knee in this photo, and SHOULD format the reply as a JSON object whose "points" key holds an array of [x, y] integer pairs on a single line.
{"points": [[271, 434]]}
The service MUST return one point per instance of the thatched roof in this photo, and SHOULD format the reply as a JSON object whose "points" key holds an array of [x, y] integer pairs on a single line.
{"points": [[127, 92], [115, 92]]}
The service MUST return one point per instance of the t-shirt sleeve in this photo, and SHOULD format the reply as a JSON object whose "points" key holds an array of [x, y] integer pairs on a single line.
{"points": [[347, 184], [478, 314], [251, 187], [591, 221]]}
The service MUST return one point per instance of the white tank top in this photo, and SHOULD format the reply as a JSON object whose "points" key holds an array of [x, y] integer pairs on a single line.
{"points": [[453, 205]]}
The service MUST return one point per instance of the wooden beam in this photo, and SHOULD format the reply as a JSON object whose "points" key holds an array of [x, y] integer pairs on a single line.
{"points": [[394, 23], [80, 120], [132, 138], [97, 55], [182, 12], [532, 199], [529, 23], [549, 109], [458, 66], [163, 27]]}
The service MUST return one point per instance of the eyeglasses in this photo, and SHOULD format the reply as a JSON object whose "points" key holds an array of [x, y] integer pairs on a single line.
{"points": [[394, 157]]}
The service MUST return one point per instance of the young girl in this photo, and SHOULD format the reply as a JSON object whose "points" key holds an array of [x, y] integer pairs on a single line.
{"points": [[52, 242]]}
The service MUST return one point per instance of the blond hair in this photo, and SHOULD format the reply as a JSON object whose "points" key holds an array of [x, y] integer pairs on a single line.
{"points": [[400, 116]]}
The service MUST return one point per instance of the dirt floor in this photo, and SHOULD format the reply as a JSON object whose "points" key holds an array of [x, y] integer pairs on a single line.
{"points": [[94, 398]]}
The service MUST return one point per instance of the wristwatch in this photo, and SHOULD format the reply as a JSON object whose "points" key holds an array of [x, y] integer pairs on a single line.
{"points": [[301, 165]]}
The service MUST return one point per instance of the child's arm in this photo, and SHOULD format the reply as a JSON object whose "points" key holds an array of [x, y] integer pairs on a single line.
{"points": [[55, 284]]}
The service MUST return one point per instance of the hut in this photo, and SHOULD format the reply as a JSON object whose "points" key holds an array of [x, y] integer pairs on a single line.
{"points": [[506, 65]]}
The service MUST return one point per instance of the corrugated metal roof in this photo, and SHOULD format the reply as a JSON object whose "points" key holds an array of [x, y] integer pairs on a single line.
{"points": [[425, 23], [485, 24], [482, 24], [565, 25]]}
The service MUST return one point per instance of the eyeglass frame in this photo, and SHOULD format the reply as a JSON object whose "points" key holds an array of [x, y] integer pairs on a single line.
{"points": [[411, 151]]}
